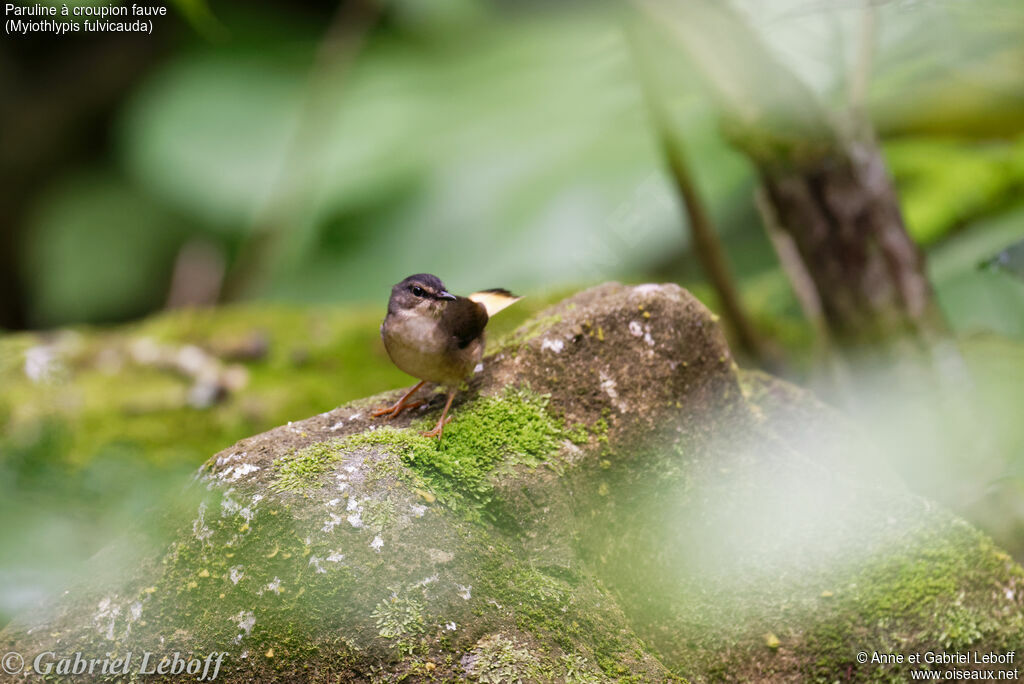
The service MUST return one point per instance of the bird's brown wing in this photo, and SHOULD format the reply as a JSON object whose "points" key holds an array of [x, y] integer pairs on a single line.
{"points": [[465, 319]]}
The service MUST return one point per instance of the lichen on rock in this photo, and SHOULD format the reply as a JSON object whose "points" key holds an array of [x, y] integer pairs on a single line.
{"points": [[614, 501]]}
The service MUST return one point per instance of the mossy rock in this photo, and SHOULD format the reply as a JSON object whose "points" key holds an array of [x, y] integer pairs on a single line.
{"points": [[89, 410], [614, 501]]}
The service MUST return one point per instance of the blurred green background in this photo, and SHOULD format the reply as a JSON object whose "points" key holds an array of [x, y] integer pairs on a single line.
{"points": [[238, 192]]}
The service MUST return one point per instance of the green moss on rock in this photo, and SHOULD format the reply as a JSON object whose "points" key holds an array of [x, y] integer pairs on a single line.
{"points": [[302, 469], [512, 428], [497, 659]]}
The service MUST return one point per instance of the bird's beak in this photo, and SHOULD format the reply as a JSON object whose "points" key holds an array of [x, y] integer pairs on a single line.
{"points": [[444, 294]]}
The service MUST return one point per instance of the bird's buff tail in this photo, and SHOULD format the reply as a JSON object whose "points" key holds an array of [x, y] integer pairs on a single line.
{"points": [[494, 300]]}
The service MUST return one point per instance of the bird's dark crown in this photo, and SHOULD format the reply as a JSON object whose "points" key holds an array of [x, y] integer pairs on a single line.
{"points": [[425, 280], [422, 292]]}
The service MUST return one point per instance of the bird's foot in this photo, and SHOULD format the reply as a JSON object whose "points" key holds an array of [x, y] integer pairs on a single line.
{"points": [[397, 408], [438, 429], [401, 404]]}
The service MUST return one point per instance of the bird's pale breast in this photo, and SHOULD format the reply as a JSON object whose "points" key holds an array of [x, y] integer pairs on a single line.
{"points": [[418, 346]]}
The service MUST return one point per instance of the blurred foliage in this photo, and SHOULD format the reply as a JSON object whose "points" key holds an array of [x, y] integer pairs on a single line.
{"points": [[98, 250], [977, 300], [200, 17], [949, 68], [1010, 260], [946, 183], [430, 153], [489, 145]]}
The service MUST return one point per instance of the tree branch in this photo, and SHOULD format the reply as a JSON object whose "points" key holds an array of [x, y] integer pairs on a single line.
{"points": [[707, 245]]}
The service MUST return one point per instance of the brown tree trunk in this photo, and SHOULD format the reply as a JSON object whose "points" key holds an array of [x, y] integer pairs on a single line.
{"points": [[843, 216]]}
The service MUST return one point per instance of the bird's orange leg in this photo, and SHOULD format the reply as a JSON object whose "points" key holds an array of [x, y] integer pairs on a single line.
{"points": [[438, 430], [400, 405]]}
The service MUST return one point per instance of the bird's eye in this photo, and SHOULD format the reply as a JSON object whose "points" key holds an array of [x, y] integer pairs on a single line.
{"points": [[418, 291]]}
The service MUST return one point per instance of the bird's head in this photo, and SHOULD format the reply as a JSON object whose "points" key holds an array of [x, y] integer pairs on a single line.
{"points": [[420, 294]]}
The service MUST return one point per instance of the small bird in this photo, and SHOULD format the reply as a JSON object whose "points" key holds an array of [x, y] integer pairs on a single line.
{"points": [[436, 336]]}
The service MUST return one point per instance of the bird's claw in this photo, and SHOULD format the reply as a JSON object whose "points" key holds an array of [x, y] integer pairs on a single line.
{"points": [[390, 412], [438, 429]]}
